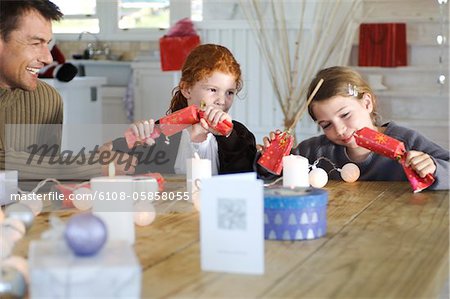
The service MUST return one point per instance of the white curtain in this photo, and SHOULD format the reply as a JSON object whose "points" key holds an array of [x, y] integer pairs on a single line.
{"points": [[299, 37]]}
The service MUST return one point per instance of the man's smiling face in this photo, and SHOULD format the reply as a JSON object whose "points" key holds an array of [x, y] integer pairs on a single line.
{"points": [[25, 52]]}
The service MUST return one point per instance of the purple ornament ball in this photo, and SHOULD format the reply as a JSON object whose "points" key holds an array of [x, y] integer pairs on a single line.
{"points": [[85, 234]]}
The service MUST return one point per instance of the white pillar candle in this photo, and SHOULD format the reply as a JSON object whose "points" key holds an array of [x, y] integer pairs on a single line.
{"points": [[196, 168], [8, 185], [113, 203], [295, 171], [145, 188]]}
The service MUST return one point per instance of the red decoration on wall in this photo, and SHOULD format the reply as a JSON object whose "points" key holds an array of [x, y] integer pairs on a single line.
{"points": [[175, 46], [382, 45], [175, 49]]}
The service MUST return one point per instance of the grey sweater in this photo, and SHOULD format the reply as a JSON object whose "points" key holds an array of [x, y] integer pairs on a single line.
{"points": [[377, 167]]}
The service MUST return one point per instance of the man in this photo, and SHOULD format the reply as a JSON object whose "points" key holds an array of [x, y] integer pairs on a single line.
{"points": [[25, 32]]}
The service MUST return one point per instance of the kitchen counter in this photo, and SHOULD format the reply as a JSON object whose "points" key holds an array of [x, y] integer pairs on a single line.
{"points": [[117, 73], [77, 82]]}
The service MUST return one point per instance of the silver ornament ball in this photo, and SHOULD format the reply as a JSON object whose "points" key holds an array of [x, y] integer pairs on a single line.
{"points": [[12, 283], [12, 230], [21, 212]]}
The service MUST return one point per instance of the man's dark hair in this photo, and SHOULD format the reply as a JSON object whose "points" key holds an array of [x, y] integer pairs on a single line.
{"points": [[12, 10]]}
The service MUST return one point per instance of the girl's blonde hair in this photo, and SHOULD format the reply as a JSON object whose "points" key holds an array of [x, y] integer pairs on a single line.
{"points": [[201, 63], [341, 81]]}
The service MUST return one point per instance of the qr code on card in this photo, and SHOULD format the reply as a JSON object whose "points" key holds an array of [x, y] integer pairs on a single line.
{"points": [[232, 214]]}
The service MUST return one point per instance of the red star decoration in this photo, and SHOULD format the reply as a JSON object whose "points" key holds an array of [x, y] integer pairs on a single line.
{"points": [[381, 139]]}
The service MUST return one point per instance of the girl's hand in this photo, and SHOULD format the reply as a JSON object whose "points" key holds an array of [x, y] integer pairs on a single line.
{"points": [[420, 162], [213, 116], [143, 129], [267, 141]]}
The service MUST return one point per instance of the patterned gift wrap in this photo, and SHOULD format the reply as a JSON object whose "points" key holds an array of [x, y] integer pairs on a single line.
{"points": [[168, 125], [179, 120], [295, 213], [272, 159], [380, 143], [394, 149]]}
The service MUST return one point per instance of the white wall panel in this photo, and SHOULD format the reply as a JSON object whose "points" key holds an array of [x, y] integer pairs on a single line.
{"points": [[257, 106]]}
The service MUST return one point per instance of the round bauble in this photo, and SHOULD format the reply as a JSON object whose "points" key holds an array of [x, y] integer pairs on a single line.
{"points": [[350, 172], [12, 283], [85, 234], [83, 199], [18, 263], [12, 230], [20, 212], [318, 177], [144, 213]]}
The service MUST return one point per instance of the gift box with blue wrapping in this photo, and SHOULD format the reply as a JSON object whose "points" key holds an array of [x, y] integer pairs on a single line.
{"points": [[295, 213]]}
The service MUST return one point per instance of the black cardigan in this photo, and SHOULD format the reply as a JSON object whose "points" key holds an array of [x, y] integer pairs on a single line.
{"points": [[236, 152]]}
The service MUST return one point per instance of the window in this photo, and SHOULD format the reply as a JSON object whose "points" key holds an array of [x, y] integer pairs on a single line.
{"points": [[144, 14], [78, 16], [123, 19], [197, 10]]}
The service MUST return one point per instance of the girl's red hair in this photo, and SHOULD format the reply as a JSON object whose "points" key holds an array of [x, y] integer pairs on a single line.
{"points": [[200, 64]]}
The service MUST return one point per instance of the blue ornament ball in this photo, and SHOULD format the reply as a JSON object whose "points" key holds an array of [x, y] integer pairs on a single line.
{"points": [[85, 234]]}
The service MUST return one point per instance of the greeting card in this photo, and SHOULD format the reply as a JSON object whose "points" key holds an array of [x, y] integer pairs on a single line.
{"points": [[231, 224]]}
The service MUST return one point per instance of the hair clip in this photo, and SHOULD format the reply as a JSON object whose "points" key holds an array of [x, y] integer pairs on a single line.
{"points": [[352, 90]]}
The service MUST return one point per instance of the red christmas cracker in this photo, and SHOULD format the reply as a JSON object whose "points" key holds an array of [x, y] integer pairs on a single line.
{"points": [[176, 122], [224, 127], [168, 125], [179, 120], [272, 159], [393, 149]]}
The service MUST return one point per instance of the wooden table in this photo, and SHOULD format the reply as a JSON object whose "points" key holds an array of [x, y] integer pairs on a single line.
{"points": [[383, 241]]}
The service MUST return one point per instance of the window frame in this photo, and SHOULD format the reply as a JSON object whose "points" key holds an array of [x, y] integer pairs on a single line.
{"points": [[109, 29]]}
